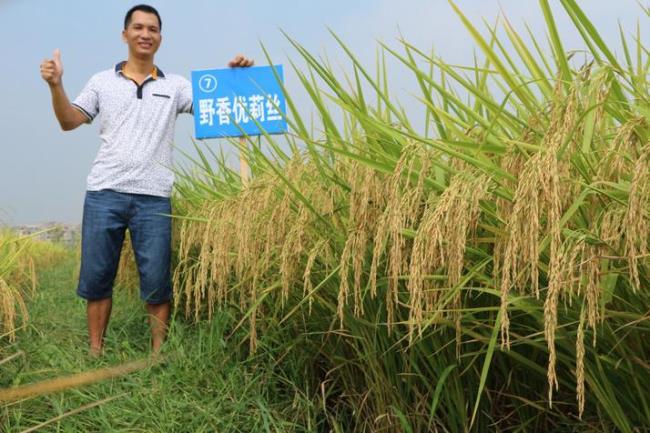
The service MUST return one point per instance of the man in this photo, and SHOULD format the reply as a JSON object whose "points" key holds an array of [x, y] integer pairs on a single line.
{"points": [[130, 182]]}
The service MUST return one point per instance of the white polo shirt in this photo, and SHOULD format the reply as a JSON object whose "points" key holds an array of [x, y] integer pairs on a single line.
{"points": [[136, 129]]}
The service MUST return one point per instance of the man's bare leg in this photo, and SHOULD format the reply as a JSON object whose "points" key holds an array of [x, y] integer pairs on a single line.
{"points": [[158, 318], [98, 313]]}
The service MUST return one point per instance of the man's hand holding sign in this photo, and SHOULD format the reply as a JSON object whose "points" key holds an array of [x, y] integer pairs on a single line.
{"points": [[241, 61]]}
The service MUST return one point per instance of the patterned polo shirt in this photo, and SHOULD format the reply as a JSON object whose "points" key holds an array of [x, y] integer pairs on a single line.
{"points": [[136, 129]]}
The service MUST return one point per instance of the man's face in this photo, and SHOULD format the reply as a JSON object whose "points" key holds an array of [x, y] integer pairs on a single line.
{"points": [[142, 34]]}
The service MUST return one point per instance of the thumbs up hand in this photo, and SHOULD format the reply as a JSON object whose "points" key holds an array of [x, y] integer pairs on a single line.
{"points": [[52, 69]]}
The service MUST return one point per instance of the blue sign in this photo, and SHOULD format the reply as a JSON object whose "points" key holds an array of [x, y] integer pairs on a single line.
{"points": [[227, 101]]}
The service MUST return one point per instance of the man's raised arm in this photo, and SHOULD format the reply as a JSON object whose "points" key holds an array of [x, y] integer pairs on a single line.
{"points": [[68, 116]]}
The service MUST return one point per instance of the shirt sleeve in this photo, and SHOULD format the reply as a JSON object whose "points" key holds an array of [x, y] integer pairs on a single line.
{"points": [[185, 97], [88, 100]]}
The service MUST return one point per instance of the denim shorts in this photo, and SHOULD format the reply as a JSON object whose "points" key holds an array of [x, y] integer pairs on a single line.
{"points": [[106, 216]]}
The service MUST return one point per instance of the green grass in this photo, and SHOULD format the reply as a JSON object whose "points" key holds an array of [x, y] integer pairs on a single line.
{"points": [[206, 383]]}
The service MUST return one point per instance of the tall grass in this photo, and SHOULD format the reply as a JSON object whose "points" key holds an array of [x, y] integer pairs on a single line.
{"points": [[19, 259], [489, 276], [11, 300]]}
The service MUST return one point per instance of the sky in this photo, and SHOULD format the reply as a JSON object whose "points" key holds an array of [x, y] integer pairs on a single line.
{"points": [[43, 169]]}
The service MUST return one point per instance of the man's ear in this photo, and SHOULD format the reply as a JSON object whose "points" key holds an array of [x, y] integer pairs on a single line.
{"points": [[124, 36]]}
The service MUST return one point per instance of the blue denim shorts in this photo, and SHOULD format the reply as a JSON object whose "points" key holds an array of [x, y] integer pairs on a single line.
{"points": [[106, 216]]}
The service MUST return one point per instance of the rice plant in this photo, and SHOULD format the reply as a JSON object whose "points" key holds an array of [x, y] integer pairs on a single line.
{"points": [[11, 300], [19, 259], [490, 275]]}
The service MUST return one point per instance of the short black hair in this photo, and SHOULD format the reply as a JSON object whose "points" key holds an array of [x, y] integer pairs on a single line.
{"points": [[144, 8]]}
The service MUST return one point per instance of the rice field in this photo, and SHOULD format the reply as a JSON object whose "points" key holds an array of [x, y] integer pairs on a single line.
{"points": [[460, 278], [19, 258], [487, 272]]}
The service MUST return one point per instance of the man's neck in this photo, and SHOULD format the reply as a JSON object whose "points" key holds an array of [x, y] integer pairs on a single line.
{"points": [[138, 68]]}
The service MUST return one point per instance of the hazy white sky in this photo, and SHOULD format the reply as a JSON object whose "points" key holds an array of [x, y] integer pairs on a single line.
{"points": [[43, 170]]}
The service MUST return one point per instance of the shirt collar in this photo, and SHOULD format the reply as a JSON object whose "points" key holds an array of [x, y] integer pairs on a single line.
{"points": [[155, 73]]}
